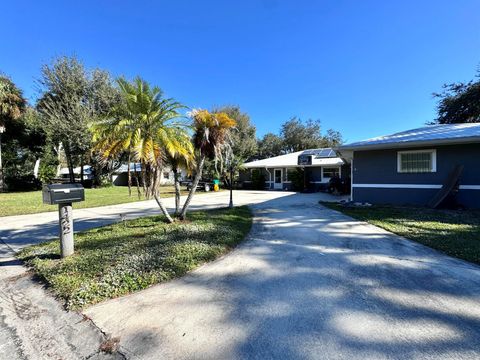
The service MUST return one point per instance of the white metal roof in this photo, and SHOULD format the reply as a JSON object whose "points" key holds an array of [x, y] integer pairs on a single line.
{"points": [[124, 168], [291, 160], [87, 169], [432, 134]]}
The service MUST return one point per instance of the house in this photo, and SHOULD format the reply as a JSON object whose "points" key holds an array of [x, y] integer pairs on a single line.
{"points": [[320, 166], [120, 176], [87, 173], [410, 167]]}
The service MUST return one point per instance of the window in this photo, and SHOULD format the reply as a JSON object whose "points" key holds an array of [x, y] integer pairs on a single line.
{"points": [[166, 175], [290, 174], [330, 172], [420, 161]]}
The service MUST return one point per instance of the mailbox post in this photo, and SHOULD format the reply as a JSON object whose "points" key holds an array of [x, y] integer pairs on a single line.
{"points": [[64, 195]]}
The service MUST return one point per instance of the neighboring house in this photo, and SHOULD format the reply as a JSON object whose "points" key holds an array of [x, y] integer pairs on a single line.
{"points": [[410, 167], [87, 173], [320, 166], [120, 176]]}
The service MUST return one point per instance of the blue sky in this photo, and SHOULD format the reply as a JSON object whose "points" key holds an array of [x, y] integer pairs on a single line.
{"points": [[365, 68]]}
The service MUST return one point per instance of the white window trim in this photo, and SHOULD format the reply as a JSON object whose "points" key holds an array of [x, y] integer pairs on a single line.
{"points": [[331, 167], [431, 151]]}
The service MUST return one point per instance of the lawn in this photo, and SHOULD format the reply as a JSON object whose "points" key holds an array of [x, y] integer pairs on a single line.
{"points": [[456, 233], [125, 257], [18, 203]]}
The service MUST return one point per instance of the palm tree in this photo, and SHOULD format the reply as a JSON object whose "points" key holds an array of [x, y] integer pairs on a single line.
{"points": [[182, 159], [210, 138], [144, 127], [12, 105]]}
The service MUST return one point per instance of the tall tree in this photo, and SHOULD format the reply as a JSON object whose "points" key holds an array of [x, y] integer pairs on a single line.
{"points": [[146, 126], [72, 97], [211, 136], [270, 145], [243, 135], [12, 105], [243, 143], [459, 103], [297, 135]]}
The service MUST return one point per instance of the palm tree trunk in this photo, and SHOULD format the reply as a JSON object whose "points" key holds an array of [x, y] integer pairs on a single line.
{"points": [[129, 176], [177, 190], [138, 181], [196, 180], [163, 208], [145, 180]]}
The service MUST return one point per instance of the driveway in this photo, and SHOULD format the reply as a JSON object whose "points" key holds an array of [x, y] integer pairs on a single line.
{"points": [[310, 283], [33, 325]]}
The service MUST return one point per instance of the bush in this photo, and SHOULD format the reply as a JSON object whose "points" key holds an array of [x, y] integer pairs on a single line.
{"points": [[258, 180], [297, 177], [22, 183], [48, 167]]}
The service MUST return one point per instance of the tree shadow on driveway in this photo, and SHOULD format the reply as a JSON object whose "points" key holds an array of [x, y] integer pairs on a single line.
{"points": [[309, 283]]}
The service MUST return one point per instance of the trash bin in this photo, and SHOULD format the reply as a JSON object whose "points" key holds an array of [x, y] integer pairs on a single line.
{"points": [[216, 185]]}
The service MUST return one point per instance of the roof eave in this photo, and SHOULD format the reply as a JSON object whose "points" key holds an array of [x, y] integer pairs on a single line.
{"points": [[409, 144]]}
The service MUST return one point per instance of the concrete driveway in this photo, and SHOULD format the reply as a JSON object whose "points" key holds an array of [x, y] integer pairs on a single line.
{"points": [[310, 283], [33, 325]]}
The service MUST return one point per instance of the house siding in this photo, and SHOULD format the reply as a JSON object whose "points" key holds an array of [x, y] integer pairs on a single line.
{"points": [[313, 176], [380, 167]]}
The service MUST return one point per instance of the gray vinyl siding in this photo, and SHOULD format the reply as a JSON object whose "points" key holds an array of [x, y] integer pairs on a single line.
{"points": [[380, 167]]}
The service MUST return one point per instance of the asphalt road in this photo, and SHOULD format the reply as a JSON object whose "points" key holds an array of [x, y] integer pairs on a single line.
{"points": [[310, 283]]}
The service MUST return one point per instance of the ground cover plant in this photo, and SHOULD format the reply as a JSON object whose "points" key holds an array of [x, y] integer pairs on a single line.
{"points": [[125, 257]]}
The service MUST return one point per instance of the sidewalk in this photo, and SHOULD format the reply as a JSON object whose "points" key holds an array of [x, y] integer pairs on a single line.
{"points": [[19, 231]]}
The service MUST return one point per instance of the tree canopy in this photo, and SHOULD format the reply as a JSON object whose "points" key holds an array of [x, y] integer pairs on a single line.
{"points": [[71, 98], [297, 135], [459, 103], [243, 135]]}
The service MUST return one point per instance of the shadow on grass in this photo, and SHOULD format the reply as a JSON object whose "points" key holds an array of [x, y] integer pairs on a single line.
{"points": [[119, 259]]}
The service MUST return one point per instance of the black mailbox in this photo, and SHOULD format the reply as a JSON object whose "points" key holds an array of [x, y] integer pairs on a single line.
{"points": [[63, 193]]}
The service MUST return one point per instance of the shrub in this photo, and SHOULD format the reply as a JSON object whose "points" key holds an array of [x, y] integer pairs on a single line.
{"points": [[258, 180], [297, 177]]}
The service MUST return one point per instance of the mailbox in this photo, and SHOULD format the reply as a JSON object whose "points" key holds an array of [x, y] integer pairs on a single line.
{"points": [[63, 193]]}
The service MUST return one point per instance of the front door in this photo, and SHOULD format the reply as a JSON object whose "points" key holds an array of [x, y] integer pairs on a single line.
{"points": [[278, 181]]}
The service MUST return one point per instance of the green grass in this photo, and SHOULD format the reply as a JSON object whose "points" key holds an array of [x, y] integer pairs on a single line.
{"points": [[18, 203], [456, 233], [122, 258]]}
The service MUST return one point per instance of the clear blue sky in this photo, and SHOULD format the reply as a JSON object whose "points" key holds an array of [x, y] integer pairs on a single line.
{"points": [[365, 68]]}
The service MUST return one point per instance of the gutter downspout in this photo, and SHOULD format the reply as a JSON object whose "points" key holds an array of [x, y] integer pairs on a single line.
{"points": [[269, 178]]}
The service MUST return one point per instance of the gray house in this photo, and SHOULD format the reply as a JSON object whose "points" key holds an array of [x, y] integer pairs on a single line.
{"points": [[320, 166], [411, 167]]}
